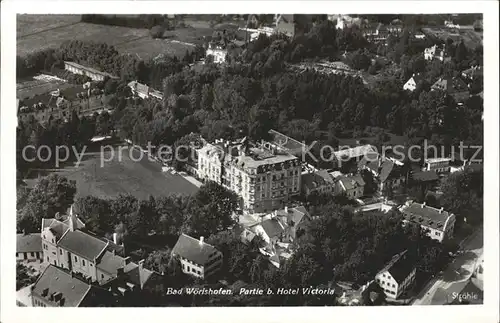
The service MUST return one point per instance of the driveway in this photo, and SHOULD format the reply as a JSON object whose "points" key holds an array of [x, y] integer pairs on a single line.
{"points": [[453, 279]]}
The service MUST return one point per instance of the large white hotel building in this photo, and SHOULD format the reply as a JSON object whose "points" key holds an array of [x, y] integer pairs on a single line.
{"points": [[264, 177]]}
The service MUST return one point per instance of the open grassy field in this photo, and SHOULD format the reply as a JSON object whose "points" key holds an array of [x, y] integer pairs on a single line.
{"points": [[35, 32], [147, 48], [141, 178], [32, 24]]}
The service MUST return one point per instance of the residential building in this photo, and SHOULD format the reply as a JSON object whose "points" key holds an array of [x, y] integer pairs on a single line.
{"points": [[472, 73], [280, 230], [270, 230], [452, 86], [395, 27], [450, 24], [287, 144], [23, 297], [94, 74], [387, 174], [438, 223], [131, 283], [439, 165], [264, 177], [437, 52], [256, 32], [458, 167], [352, 186], [375, 31], [218, 52], [344, 21], [284, 24], [397, 276], [385, 206], [281, 225], [426, 180], [143, 91], [412, 83], [68, 245], [197, 258], [29, 247], [57, 287], [60, 104], [357, 153], [319, 182]]}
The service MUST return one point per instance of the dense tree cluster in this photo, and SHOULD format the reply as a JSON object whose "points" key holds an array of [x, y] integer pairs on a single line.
{"points": [[74, 133], [337, 246], [23, 276], [241, 100], [107, 59], [50, 196], [324, 40], [463, 194], [207, 212], [69, 76]]}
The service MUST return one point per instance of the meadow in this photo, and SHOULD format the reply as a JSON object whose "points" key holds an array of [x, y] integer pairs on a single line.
{"points": [[35, 32], [123, 175]]}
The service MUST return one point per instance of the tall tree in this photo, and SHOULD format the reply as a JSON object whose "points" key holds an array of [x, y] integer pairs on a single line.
{"points": [[212, 210], [50, 195]]}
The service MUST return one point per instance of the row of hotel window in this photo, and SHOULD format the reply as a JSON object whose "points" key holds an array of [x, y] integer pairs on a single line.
{"points": [[383, 283], [216, 170], [281, 193], [263, 187]]}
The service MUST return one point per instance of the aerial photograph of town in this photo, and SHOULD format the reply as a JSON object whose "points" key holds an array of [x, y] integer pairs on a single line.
{"points": [[199, 160]]}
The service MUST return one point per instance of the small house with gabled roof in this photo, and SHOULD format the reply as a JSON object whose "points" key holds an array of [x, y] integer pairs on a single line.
{"points": [[397, 276], [438, 223], [197, 258]]}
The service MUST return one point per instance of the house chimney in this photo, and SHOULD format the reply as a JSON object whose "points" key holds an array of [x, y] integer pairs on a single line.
{"points": [[423, 205], [115, 238], [201, 241], [126, 261], [286, 209], [72, 219]]}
